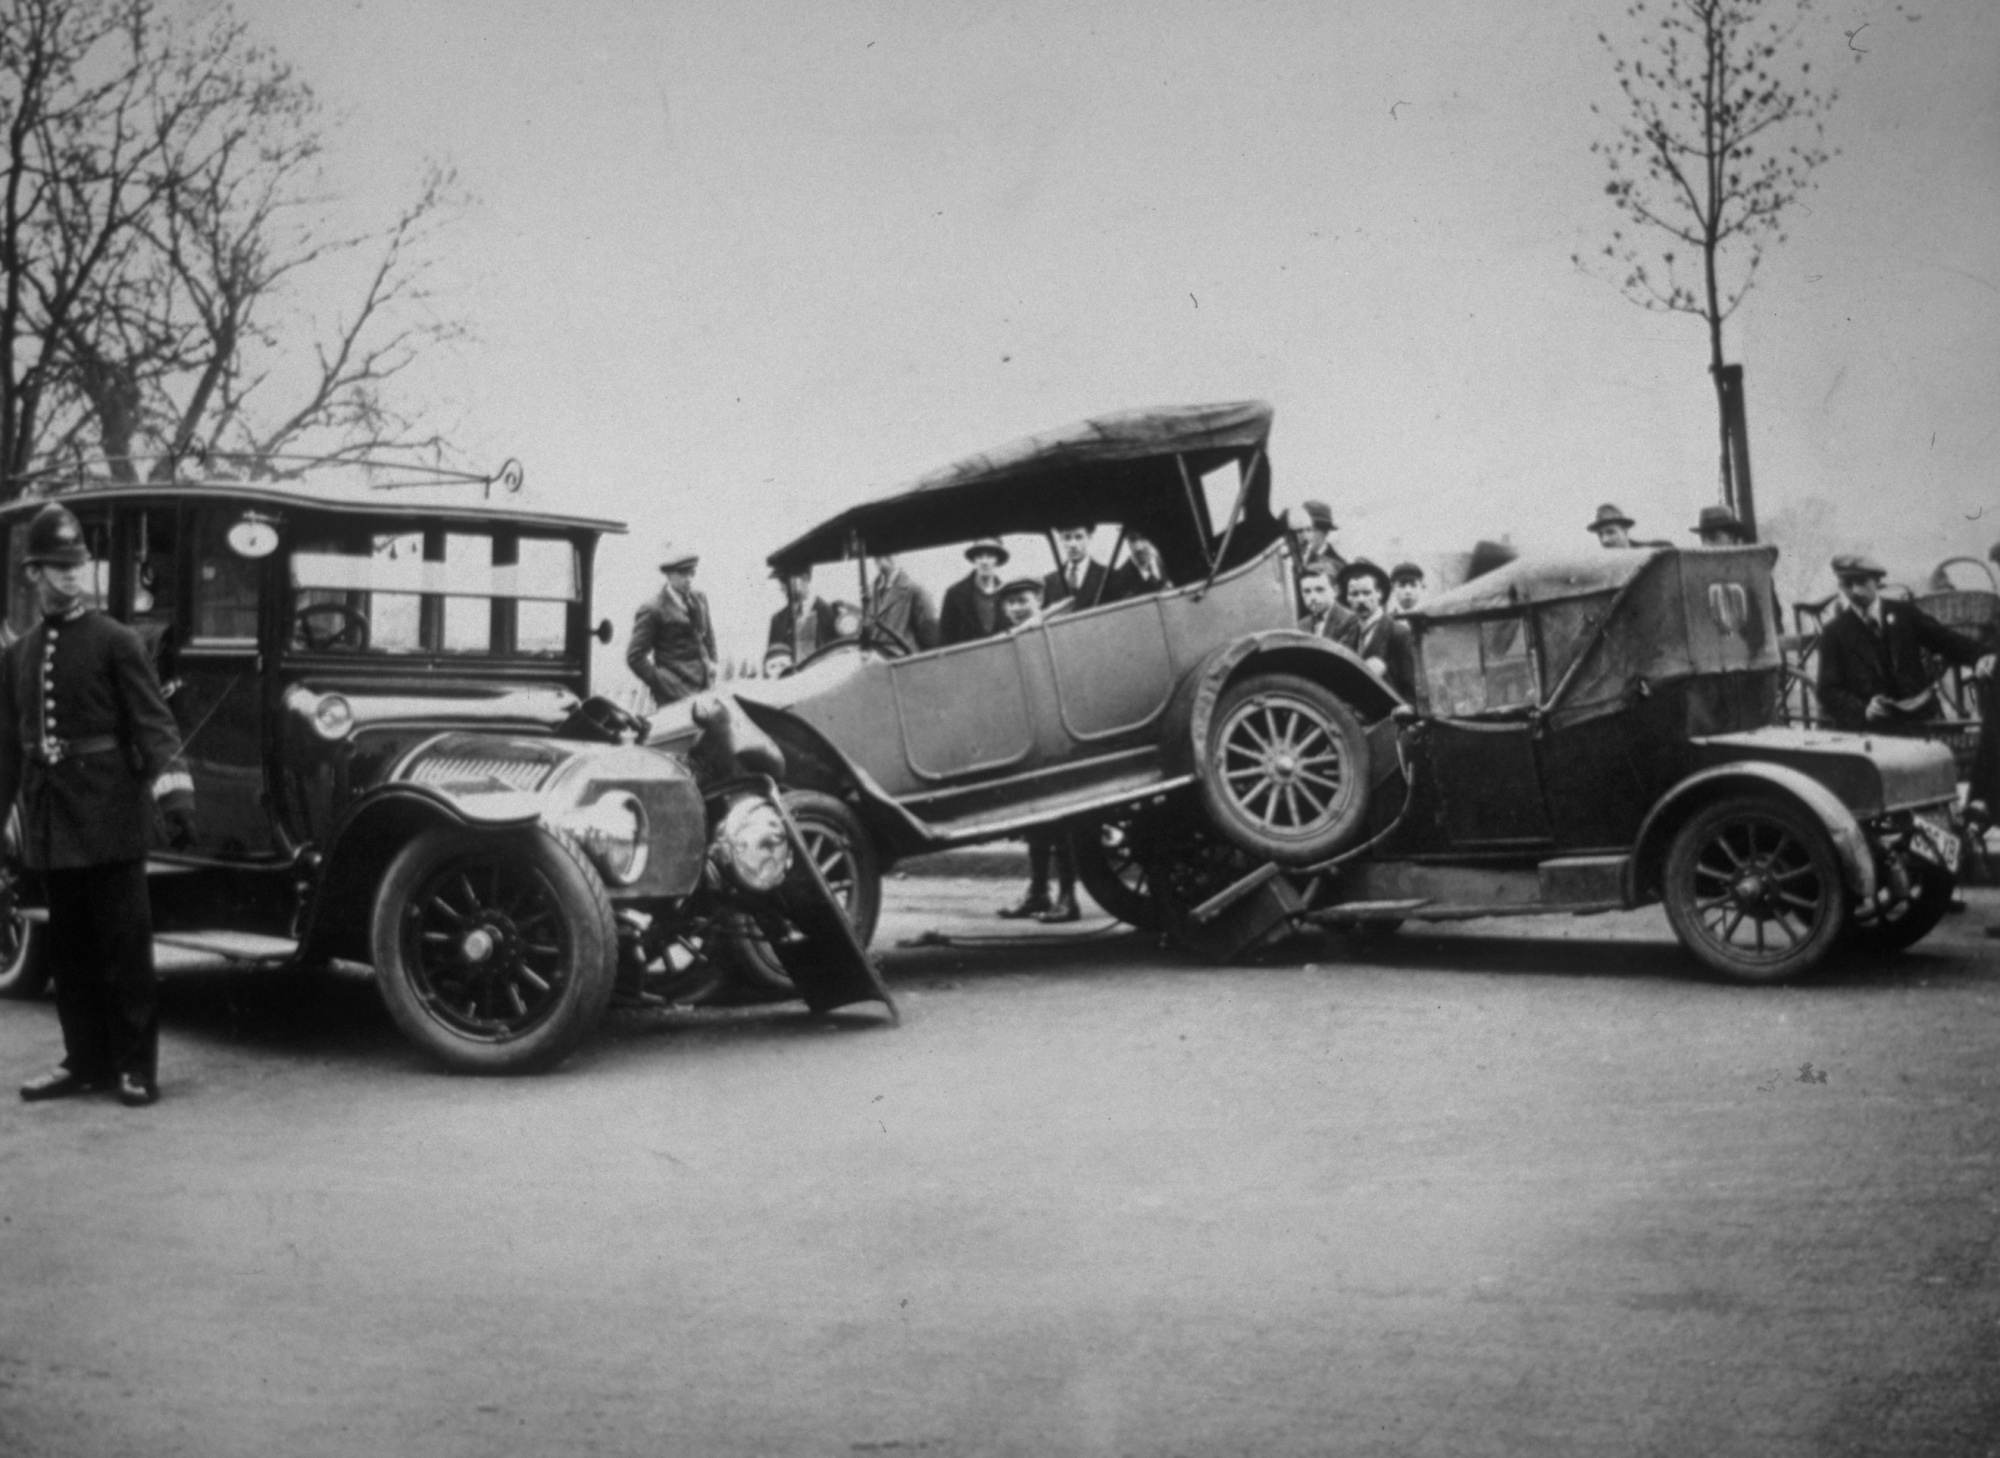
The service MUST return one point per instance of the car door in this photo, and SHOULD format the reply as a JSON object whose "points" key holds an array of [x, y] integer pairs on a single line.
{"points": [[1111, 671], [963, 711], [219, 700], [1481, 679]]}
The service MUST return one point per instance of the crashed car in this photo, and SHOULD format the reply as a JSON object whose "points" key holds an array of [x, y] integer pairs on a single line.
{"points": [[385, 704], [1600, 733], [1589, 733]]}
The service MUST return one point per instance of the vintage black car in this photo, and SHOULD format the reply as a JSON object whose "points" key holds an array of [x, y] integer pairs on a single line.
{"points": [[397, 759], [1589, 733]]}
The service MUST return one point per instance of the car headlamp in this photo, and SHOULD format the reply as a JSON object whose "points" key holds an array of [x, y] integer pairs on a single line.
{"points": [[751, 844], [612, 831]]}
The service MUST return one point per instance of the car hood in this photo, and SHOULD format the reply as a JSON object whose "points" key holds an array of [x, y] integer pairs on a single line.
{"points": [[1872, 773]]}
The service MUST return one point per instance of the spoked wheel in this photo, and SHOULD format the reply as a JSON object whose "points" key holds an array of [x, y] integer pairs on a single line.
{"points": [[1108, 865], [1286, 772], [24, 945], [495, 954], [1884, 927], [839, 846], [1753, 889]]}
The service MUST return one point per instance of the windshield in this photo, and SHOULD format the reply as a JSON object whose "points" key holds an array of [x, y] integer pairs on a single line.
{"points": [[434, 592]]}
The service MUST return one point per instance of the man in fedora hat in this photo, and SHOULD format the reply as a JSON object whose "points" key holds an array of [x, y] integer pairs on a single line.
{"points": [[1611, 527], [91, 757], [1314, 538], [972, 604], [1382, 642], [1872, 675], [673, 636], [1717, 526], [799, 629]]}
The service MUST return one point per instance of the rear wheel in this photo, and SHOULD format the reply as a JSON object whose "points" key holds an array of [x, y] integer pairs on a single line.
{"points": [[494, 953], [1109, 867], [1285, 772], [1883, 929], [1753, 888]]}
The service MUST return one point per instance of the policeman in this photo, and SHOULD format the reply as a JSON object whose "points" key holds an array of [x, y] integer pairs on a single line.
{"points": [[88, 749], [673, 636]]}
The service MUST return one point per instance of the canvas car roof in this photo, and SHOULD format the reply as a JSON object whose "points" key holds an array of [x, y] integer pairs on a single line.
{"points": [[1109, 468], [1541, 579]]}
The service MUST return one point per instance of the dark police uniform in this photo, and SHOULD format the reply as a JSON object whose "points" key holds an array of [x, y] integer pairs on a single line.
{"points": [[90, 754]]}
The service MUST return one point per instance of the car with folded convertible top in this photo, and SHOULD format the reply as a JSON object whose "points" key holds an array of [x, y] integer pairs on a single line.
{"points": [[383, 690], [1588, 733]]}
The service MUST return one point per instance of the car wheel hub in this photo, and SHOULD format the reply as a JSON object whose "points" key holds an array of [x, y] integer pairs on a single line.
{"points": [[479, 944]]}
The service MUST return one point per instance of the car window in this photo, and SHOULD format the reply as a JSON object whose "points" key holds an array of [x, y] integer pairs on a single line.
{"points": [[225, 585], [457, 593], [1478, 667]]}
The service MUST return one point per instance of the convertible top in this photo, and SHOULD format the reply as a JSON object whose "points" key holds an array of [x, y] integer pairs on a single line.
{"points": [[1541, 579], [1124, 467]]}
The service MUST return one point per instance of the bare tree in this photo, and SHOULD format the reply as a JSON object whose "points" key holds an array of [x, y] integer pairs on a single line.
{"points": [[1723, 129], [161, 200]]}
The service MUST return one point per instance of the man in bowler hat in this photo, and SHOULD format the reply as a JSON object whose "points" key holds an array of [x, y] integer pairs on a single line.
{"points": [[90, 755]]}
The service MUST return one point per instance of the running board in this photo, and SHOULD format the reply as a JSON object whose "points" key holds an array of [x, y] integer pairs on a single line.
{"points": [[237, 946]]}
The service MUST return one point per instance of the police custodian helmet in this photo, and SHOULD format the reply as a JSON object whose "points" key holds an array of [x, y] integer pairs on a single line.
{"points": [[55, 537]]}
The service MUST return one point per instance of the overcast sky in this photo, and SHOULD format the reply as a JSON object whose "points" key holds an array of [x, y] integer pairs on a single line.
{"points": [[734, 265]]}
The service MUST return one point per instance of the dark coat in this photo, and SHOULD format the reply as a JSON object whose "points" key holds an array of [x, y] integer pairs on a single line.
{"points": [[673, 646], [1055, 587], [1127, 581], [905, 610], [1856, 662], [803, 636], [66, 688], [968, 614], [1388, 638], [1340, 625]]}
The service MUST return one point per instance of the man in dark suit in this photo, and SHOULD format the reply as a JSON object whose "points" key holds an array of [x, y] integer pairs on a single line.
{"points": [[89, 750], [803, 626], [1324, 617], [899, 611], [1872, 674], [972, 604], [673, 637], [1383, 642], [1141, 574], [1081, 576]]}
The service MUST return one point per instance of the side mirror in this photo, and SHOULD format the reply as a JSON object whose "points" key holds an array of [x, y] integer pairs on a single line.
{"points": [[602, 632]]}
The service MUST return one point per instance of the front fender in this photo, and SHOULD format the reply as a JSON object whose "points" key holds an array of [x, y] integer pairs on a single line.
{"points": [[1649, 852], [1189, 713]]}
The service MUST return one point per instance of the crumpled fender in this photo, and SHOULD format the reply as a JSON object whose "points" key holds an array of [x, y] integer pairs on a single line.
{"points": [[828, 965], [1185, 725], [1649, 851]]}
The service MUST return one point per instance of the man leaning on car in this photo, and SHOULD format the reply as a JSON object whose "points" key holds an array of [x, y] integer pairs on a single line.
{"points": [[673, 637], [1872, 675]]}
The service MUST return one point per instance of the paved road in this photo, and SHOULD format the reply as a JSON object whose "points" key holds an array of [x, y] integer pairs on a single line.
{"points": [[1523, 1189]]}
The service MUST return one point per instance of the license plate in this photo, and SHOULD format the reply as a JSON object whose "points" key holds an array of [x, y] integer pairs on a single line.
{"points": [[1936, 842]]}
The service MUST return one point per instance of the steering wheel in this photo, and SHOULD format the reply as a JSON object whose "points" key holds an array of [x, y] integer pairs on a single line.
{"points": [[350, 630], [889, 638]]}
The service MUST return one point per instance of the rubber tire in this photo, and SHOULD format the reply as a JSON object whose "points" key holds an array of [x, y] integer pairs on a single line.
{"points": [[1910, 921], [585, 914], [1132, 904], [24, 957], [1349, 808], [756, 972], [1678, 889]]}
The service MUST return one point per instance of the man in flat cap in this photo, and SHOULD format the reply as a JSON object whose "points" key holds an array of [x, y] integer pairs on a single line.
{"points": [[673, 637], [1717, 526], [799, 629], [972, 604], [90, 755], [1872, 676], [1406, 588]]}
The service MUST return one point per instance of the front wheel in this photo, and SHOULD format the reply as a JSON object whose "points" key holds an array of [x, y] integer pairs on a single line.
{"points": [[1284, 774], [24, 946], [1753, 888], [494, 953], [838, 843]]}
